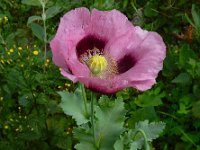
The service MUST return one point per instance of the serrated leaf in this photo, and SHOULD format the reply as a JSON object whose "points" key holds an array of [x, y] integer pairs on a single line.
{"points": [[109, 122], [85, 137], [72, 104], [38, 31], [135, 145], [33, 18], [108, 125], [31, 2], [52, 11], [146, 113], [152, 130], [119, 145], [145, 100]]}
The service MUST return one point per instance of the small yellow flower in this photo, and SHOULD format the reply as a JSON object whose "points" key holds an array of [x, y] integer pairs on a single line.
{"points": [[35, 53], [6, 127], [8, 53], [67, 84], [2, 61], [35, 46], [22, 65], [11, 50], [47, 60], [1, 99], [20, 48], [5, 19]]}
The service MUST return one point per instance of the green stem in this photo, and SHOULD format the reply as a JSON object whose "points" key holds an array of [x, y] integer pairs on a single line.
{"points": [[146, 144], [45, 32], [84, 99], [92, 118]]}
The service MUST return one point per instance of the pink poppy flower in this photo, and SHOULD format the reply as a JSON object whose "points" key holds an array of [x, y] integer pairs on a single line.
{"points": [[105, 52]]}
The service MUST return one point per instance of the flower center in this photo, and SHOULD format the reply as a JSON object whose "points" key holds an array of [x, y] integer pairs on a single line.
{"points": [[101, 64], [97, 64]]}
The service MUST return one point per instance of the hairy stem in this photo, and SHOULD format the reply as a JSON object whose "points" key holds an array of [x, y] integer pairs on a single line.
{"points": [[45, 32], [146, 144], [84, 99], [92, 118]]}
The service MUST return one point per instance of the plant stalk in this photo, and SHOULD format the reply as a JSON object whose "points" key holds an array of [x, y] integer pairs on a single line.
{"points": [[84, 99], [146, 144], [45, 32], [92, 118]]}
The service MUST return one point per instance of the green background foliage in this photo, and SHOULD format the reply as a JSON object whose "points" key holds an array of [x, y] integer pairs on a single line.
{"points": [[30, 112]]}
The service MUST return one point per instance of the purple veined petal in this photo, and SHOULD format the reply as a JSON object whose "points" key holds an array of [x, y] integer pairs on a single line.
{"points": [[73, 27], [58, 57], [67, 74], [102, 85], [109, 24], [149, 56], [76, 67], [120, 46], [142, 85], [75, 24]]}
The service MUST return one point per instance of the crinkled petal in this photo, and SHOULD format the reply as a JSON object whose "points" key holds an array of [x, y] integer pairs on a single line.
{"points": [[142, 85], [149, 55], [67, 74], [121, 46], [73, 27], [109, 24], [103, 85], [58, 57]]}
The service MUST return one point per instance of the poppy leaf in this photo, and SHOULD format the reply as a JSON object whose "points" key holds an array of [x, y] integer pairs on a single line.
{"points": [[109, 123], [72, 104]]}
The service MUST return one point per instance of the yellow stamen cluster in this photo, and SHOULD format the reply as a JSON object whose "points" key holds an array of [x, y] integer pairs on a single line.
{"points": [[101, 65], [97, 64]]}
